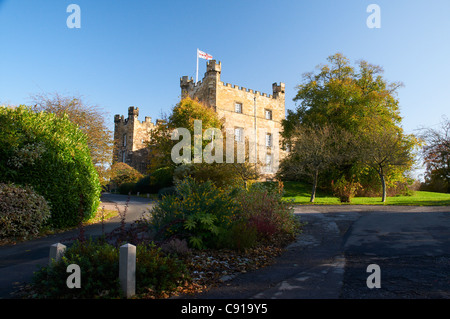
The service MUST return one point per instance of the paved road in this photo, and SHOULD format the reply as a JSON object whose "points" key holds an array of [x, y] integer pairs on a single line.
{"points": [[18, 262], [411, 245], [329, 259]]}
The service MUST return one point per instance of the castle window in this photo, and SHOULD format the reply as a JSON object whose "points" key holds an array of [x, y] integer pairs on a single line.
{"points": [[268, 114], [124, 157], [269, 140], [238, 134], [238, 107], [124, 139]]}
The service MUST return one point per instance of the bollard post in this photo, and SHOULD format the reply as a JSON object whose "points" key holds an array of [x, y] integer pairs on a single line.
{"points": [[127, 269], [56, 252]]}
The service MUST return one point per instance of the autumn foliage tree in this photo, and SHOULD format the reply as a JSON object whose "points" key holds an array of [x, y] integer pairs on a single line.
{"points": [[184, 115], [356, 99]]}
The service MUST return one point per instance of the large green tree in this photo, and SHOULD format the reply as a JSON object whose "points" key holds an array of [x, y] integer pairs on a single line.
{"points": [[345, 96], [355, 99]]}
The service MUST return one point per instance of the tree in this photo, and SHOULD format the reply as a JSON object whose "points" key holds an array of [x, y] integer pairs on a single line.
{"points": [[91, 121], [350, 98], [436, 155], [315, 149], [184, 115], [385, 149], [346, 97]]}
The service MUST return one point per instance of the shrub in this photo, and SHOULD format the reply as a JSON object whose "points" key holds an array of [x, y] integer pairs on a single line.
{"points": [[122, 173], [157, 271], [51, 155], [240, 236], [199, 212], [167, 191], [264, 209], [126, 188], [176, 246], [99, 265], [221, 174], [22, 211], [143, 186], [160, 178], [344, 189]]}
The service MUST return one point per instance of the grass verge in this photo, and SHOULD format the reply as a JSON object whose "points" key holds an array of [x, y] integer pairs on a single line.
{"points": [[300, 193]]}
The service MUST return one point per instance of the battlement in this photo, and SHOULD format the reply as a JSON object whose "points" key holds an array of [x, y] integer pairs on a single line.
{"points": [[213, 66], [211, 80], [133, 114], [241, 88]]}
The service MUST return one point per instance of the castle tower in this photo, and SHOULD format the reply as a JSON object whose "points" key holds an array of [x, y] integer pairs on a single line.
{"points": [[130, 137], [244, 110]]}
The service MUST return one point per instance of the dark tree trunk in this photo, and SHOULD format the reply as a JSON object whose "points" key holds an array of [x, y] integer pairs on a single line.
{"points": [[383, 184], [313, 193]]}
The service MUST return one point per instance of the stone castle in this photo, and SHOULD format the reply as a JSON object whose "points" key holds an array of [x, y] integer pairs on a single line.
{"points": [[245, 112]]}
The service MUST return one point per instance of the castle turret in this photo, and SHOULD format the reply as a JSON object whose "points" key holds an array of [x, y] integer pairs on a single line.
{"points": [[278, 90], [213, 66], [133, 112], [186, 85]]}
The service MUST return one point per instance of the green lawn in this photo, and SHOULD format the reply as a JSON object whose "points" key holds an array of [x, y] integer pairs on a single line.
{"points": [[300, 193]]}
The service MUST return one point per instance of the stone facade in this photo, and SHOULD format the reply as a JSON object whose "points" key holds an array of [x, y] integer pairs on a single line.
{"points": [[256, 114], [246, 113], [130, 136]]}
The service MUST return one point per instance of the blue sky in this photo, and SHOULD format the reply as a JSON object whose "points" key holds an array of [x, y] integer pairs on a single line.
{"points": [[133, 53]]}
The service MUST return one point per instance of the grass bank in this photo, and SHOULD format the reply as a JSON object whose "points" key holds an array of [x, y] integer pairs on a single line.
{"points": [[300, 193]]}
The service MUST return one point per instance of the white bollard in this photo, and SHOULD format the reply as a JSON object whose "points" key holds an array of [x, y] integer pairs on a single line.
{"points": [[137, 193], [56, 252], [127, 269], [148, 195]]}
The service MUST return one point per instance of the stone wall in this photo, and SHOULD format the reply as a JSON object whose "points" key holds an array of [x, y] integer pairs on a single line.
{"points": [[130, 137], [223, 98]]}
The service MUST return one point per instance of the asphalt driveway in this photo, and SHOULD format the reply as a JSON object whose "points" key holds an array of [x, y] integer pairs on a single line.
{"points": [[411, 245]]}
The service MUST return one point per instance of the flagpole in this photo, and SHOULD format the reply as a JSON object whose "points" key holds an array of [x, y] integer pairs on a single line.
{"points": [[196, 74]]}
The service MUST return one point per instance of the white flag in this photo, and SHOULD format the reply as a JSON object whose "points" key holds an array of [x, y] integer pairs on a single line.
{"points": [[204, 55]]}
